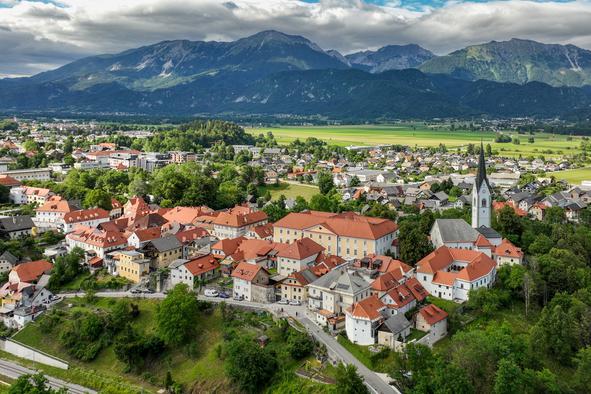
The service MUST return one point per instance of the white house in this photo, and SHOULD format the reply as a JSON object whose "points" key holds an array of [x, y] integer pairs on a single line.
{"points": [[451, 273], [84, 217], [298, 255], [362, 320], [203, 268]]}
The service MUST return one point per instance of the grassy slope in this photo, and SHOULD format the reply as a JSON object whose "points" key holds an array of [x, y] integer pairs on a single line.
{"points": [[204, 370], [423, 137]]}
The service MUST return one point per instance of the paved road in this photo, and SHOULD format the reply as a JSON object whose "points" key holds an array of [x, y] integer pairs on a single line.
{"points": [[13, 371], [376, 384]]}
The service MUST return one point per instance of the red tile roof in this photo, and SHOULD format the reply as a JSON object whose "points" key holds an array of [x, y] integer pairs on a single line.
{"points": [[202, 264], [347, 224], [301, 249], [8, 181], [239, 217], [148, 234], [384, 282], [477, 263], [191, 234], [417, 289], [246, 271], [507, 249], [226, 246], [56, 204], [96, 237], [368, 308], [85, 215], [31, 271], [433, 314], [186, 215], [264, 230]]}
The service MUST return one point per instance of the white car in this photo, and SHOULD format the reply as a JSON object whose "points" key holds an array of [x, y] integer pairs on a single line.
{"points": [[211, 293], [283, 302], [295, 303]]}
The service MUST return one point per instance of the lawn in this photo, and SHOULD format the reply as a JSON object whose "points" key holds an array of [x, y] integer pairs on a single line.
{"points": [[419, 135], [574, 177], [289, 190], [365, 356]]}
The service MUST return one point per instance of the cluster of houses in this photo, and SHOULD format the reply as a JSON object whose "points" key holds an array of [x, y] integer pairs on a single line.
{"points": [[343, 267]]}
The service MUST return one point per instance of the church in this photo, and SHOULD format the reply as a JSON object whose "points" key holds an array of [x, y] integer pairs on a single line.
{"points": [[466, 257], [456, 233]]}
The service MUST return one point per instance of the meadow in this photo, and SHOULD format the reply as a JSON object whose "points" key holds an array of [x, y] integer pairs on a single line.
{"points": [[289, 190], [575, 176], [420, 135]]}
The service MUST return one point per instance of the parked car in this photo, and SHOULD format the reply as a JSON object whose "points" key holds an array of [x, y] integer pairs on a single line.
{"points": [[295, 303], [135, 291], [238, 298], [283, 302], [224, 295], [211, 293]]}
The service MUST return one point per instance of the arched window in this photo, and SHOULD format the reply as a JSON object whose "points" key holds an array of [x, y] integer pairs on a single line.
{"points": [[484, 203]]}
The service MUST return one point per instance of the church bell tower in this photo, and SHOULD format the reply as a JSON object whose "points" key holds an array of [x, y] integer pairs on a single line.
{"points": [[481, 195]]}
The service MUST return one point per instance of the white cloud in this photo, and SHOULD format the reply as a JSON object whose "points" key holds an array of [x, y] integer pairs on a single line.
{"points": [[40, 35]]}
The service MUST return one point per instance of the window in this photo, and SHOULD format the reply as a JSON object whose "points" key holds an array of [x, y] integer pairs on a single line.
{"points": [[484, 202]]}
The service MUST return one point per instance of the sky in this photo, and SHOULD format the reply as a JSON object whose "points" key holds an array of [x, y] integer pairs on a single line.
{"points": [[39, 35]]}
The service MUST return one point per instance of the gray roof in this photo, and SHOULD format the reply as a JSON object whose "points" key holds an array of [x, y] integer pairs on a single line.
{"points": [[177, 263], [342, 281], [16, 223], [455, 230], [7, 256], [166, 243], [395, 324], [488, 232]]}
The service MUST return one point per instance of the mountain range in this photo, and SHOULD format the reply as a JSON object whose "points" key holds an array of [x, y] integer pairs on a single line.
{"points": [[273, 73]]}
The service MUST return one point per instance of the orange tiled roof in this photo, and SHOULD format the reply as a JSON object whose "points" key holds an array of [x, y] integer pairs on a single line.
{"points": [[507, 249], [31, 271], [56, 204], [7, 180], [348, 224], [433, 314], [86, 215], [186, 215], [301, 249], [384, 282], [498, 205], [417, 289], [96, 237], [190, 235], [202, 264], [246, 271], [368, 308], [477, 263], [238, 217]]}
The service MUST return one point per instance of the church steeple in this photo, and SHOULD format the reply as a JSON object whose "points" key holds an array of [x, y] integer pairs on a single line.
{"points": [[481, 172], [481, 194]]}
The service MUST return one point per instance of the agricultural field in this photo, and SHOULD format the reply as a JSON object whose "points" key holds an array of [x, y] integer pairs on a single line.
{"points": [[289, 190], [419, 135], [575, 176]]}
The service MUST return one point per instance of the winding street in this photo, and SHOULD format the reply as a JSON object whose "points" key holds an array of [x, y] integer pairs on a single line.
{"points": [[374, 382]]}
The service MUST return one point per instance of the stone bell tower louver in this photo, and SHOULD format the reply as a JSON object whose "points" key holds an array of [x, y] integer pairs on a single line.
{"points": [[481, 195]]}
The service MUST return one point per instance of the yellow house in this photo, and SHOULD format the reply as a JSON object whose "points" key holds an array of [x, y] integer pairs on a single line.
{"points": [[132, 265], [163, 251], [346, 234]]}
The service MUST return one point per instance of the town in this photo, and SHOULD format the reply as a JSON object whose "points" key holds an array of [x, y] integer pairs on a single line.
{"points": [[388, 247]]}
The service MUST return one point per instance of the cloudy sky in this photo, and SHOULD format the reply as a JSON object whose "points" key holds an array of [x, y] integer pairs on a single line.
{"points": [[44, 34]]}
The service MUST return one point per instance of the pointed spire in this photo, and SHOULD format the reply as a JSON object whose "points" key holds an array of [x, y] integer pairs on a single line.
{"points": [[481, 173]]}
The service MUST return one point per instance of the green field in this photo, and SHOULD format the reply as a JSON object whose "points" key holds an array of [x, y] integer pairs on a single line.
{"points": [[289, 190], [574, 177], [423, 136]]}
